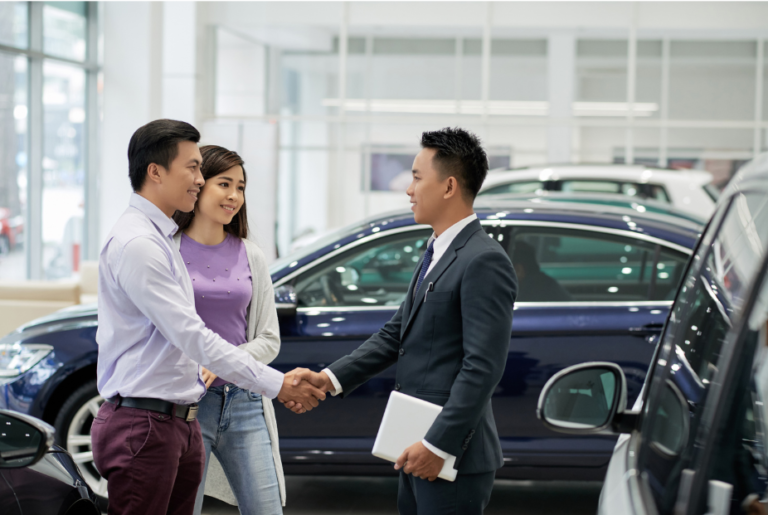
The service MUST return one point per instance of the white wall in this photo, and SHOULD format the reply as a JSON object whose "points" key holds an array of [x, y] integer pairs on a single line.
{"points": [[132, 97]]}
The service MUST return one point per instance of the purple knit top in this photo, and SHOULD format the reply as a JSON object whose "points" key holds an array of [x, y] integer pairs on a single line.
{"points": [[221, 279]]}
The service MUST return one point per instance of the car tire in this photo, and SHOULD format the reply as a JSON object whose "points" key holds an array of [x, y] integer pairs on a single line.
{"points": [[5, 244], [73, 432]]}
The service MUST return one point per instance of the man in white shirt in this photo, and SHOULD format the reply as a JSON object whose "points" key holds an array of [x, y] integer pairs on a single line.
{"points": [[152, 343], [450, 337]]}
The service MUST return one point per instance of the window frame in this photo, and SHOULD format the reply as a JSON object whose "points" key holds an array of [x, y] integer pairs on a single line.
{"points": [[35, 56]]}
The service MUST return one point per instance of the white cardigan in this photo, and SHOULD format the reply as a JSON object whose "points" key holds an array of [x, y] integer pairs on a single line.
{"points": [[264, 345]]}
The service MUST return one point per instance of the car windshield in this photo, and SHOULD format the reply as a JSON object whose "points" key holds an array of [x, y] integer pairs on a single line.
{"points": [[713, 191]]}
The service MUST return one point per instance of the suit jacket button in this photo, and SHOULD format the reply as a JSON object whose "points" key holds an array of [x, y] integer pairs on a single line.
{"points": [[402, 351], [397, 387], [465, 446]]}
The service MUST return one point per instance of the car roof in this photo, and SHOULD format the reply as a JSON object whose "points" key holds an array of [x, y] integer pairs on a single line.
{"points": [[754, 173], [641, 205], [675, 230], [636, 173]]}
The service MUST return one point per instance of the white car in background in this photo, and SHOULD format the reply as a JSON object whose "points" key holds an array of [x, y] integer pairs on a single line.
{"points": [[687, 190], [696, 440]]}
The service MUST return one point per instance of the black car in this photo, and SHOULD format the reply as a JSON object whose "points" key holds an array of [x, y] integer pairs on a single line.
{"points": [[36, 477]]}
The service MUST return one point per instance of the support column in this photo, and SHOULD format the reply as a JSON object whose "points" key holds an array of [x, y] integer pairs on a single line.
{"points": [[179, 53], [131, 97], [561, 68]]}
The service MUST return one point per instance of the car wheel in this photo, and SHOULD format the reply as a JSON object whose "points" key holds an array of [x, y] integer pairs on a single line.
{"points": [[73, 432], [5, 244]]}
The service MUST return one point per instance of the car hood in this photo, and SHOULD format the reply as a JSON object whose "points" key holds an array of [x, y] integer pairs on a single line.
{"points": [[67, 315]]}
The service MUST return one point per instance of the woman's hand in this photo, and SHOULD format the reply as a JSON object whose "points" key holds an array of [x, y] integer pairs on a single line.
{"points": [[208, 377]]}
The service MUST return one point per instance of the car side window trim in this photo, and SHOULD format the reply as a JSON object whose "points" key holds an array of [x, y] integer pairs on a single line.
{"points": [[493, 223], [619, 304]]}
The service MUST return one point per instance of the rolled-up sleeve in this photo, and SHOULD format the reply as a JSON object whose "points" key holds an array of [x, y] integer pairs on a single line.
{"points": [[144, 273]]}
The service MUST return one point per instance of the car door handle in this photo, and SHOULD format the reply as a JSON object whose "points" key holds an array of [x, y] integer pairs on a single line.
{"points": [[647, 329]]}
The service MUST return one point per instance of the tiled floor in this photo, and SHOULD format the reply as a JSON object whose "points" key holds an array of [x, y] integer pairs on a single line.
{"points": [[377, 496]]}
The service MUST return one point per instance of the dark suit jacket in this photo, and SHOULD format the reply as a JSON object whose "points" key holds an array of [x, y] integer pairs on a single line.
{"points": [[450, 350]]}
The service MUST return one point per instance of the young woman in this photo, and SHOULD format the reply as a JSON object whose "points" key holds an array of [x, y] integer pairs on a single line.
{"points": [[234, 297]]}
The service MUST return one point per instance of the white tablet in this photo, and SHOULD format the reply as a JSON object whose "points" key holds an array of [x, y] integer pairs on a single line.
{"points": [[406, 421]]}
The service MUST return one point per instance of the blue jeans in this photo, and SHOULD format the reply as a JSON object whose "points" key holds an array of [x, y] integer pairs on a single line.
{"points": [[233, 427]]}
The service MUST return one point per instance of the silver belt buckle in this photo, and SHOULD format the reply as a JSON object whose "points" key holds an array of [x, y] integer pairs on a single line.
{"points": [[192, 413]]}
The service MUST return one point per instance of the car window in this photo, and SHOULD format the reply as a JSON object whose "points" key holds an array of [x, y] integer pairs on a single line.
{"points": [[709, 305], [562, 265], [591, 186], [656, 192], [737, 453], [515, 187], [375, 274]]}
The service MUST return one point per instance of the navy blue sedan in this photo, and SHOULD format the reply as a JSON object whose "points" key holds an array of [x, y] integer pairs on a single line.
{"points": [[596, 284]]}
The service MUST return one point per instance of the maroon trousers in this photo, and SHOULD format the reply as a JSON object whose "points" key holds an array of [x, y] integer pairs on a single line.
{"points": [[153, 462]]}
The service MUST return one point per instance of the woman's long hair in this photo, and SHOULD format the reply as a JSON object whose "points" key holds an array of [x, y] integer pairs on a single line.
{"points": [[217, 160]]}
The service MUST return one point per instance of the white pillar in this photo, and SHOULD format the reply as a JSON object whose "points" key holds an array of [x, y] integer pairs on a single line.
{"points": [[131, 97], [179, 60], [561, 66]]}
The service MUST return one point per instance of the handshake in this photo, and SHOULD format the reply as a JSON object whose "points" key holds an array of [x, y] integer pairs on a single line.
{"points": [[303, 389]]}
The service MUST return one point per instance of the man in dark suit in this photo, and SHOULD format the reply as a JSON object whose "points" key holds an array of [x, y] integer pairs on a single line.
{"points": [[450, 337]]}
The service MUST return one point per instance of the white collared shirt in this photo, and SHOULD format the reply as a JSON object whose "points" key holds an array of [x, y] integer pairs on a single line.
{"points": [[444, 241], [438, 250], [151, 340]]}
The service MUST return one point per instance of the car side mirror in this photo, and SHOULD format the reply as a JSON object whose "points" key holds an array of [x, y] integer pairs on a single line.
{"points": [[585, 399], [24, 440], [285, 300]]}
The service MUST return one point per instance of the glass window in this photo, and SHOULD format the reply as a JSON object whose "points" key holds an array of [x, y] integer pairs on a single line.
{"points": [[377, 274], [63, 168], [14, 22], [708, 307], [740, 457], [64, 29], [515, 187], [712, 80], [592, 186], [13, 165], [518, 73], [601, 70], [556, 265]]}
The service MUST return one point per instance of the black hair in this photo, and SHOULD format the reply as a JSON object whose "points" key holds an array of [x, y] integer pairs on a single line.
{"points": [[156, 142], [525, 255], [459, 154]]}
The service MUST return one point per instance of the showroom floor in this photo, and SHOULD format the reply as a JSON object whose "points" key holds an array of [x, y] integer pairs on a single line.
{"points": [[364, 496]]}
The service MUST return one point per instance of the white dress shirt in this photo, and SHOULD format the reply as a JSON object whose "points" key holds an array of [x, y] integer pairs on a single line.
{"points": [[151, 340], [438, 250]]}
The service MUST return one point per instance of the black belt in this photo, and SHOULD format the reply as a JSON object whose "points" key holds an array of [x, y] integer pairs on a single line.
{"points": [[186, 411]]}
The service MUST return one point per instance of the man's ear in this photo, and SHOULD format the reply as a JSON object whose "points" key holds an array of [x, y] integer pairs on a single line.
{"points": [[154, 173], [451, 187]]}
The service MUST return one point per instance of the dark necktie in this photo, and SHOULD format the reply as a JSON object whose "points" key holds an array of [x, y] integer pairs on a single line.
{"points": [[424, 266]]}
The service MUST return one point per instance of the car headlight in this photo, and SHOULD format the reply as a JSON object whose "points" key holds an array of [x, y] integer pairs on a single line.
{"points": [[17, 358]]}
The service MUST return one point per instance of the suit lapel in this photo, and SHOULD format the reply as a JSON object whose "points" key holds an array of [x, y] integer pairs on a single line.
{"points": [[445, 261], [408, 302]]}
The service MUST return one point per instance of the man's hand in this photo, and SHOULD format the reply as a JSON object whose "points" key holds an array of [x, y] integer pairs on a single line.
{"points": [[756, 508], [420, 461], [318, 379], [208, 377], [301, 395]]}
